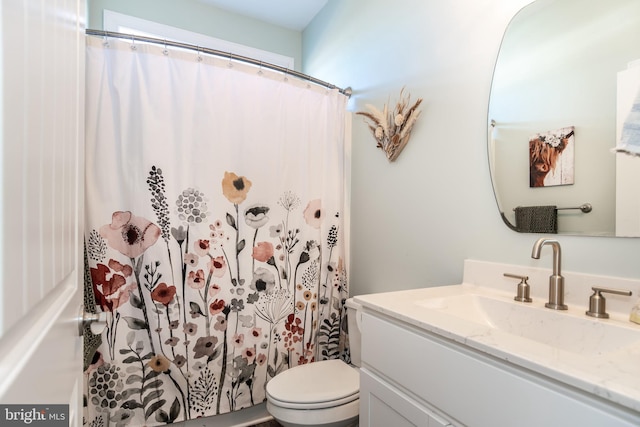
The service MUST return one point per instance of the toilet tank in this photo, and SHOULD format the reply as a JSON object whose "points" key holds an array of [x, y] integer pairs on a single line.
{"points": [[354, 316]]}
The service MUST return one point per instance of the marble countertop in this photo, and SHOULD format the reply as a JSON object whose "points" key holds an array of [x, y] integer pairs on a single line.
{"points": [[612, 374]]}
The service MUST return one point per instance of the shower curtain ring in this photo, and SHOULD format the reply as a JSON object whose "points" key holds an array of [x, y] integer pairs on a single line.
{"points": [[133, 43], [260, 69], [199, 57], [230, 65], [286, 75], [165, 51]]}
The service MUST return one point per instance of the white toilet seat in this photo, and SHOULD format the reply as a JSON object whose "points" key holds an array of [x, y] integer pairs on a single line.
{"points": [[316, 405], [336, 416], [318, 385]]}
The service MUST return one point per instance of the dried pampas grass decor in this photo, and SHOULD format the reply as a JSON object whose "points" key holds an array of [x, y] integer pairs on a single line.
{"points": [[392, 129]]}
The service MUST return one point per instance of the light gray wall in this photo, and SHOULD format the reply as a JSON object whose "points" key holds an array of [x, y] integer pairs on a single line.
{"points": [[195, 16], [415, 221]]}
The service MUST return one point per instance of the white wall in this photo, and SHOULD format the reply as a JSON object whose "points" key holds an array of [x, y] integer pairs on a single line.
{"points": [[416, 220]]}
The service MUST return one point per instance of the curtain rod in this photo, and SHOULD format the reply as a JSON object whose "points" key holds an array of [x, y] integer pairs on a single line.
{"points": [[346, 91]]}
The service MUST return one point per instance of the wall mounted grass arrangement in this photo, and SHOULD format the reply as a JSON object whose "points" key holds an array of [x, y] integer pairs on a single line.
{"points": [[392, 129]]}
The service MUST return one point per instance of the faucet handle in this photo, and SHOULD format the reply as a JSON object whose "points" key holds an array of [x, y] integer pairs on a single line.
{"points": [[597, 307], [522, 294]]}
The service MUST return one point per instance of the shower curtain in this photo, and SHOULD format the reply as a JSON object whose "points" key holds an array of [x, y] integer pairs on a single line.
{"points": [[215, 230]]}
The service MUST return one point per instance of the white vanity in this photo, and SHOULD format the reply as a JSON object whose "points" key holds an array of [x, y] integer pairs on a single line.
{"points": [[469, 355]]}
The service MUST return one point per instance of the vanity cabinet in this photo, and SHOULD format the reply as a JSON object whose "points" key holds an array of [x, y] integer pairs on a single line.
{"points": [[382, 404], [414, 377]]}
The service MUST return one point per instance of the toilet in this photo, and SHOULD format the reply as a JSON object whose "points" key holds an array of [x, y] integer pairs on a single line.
{"points": [[323, 394]]}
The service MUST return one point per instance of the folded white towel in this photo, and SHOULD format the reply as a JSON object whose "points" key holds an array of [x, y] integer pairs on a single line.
{"points": [[630, 136]]}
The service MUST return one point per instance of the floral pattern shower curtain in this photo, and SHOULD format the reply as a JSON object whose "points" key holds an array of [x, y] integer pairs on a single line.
{"points": [[215, 230]]}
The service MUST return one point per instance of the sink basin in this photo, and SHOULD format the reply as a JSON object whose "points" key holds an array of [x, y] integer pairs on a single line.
{"points": [[479, 317], [562, 330]]}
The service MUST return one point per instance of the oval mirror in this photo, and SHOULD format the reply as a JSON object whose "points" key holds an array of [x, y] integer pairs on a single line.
{"points": [[566, 76]]}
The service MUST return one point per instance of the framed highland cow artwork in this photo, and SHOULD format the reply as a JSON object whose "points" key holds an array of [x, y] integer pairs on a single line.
{"points": [[551, 158]]}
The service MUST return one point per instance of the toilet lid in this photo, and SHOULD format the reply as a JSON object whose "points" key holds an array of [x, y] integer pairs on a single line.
{"points": [[325, 383]]}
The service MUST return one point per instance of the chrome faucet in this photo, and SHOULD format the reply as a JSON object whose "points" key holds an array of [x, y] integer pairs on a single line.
{"points": [[556, 281]]}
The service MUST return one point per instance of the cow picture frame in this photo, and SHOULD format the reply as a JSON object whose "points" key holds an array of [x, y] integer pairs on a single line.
{"points": [[551, 158]]}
